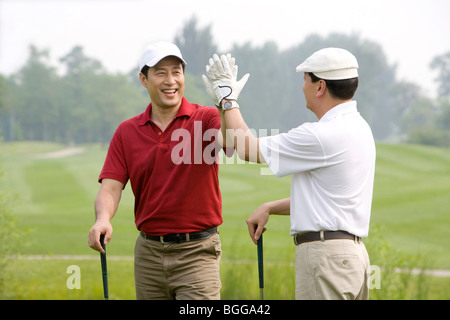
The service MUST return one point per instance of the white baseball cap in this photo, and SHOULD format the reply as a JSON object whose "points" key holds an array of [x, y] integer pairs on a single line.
{"points": [[331, 64], [157, 51]]}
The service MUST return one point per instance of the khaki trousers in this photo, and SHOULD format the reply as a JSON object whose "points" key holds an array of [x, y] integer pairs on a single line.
{"points": [[177, 271], [332, 270]]}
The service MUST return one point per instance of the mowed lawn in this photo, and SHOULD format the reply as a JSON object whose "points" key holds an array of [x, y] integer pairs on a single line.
{"points": [[412, 199], [54, 211]]}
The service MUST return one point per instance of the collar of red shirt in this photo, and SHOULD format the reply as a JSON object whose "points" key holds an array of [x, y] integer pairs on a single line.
{"points": [[185, 109]]}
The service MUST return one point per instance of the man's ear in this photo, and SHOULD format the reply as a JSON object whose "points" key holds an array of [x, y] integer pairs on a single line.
{"points": [[143, 79], [321, 87]]}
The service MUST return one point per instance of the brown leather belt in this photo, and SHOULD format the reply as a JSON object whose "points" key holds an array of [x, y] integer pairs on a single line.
{"points": [[181, 237], [300, 238]]}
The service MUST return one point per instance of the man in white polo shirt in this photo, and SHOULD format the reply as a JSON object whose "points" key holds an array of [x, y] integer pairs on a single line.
{"points": [[332, 164]]}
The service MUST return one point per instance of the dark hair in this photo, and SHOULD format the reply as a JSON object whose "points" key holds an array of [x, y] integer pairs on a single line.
{"points": [[145, 68], [341, 89]]}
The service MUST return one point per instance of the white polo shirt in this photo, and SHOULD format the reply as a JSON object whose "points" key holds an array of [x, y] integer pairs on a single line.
{"points": [[332, 163]]}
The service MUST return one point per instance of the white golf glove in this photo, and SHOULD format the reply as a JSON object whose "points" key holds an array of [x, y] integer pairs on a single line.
{"points": [[214, 94], [223, 75]]}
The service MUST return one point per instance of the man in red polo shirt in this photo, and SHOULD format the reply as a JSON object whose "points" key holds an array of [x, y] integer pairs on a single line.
{"points": [[169, 154]]}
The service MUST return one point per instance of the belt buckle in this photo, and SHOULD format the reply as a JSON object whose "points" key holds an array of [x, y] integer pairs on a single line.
{"points": [[177, 238], [296, 239]]}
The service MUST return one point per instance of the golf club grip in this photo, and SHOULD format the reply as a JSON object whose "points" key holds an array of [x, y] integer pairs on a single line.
{"points": [[103, 255], [260, 262], [104, 267]]}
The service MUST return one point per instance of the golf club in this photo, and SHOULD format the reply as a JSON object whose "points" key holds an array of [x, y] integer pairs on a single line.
{"points": [[104, 269], [261, 267]]}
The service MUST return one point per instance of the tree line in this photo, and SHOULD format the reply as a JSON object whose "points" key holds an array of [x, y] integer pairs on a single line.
{"points": [[81, 102]]}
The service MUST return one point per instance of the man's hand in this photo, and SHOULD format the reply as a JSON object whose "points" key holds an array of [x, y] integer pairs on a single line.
{"points": [[223, 75], [215, 92], [99, 228], [106, 205], [256, 222], [259, 218]]}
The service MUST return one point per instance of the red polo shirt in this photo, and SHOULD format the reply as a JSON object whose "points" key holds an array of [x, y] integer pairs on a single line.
{"points": [[173, 174]]}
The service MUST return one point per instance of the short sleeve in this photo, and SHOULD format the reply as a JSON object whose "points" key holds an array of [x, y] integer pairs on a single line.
{"points": [[296, 151], [115, 166]]}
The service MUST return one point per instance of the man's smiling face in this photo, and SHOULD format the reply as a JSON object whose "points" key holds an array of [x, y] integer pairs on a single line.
{"points": [[165, 83]]}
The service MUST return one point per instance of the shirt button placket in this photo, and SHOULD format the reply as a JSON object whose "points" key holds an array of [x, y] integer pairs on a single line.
{"points": [[160, 137]]}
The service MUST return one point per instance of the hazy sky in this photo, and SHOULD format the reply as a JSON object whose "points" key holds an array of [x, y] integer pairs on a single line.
{"points": [[411, 32]]}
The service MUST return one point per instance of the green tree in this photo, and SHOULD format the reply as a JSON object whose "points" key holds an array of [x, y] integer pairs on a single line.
{"points": [[444, 114], [424, 120], [36, 106], [264, 99], [423, 123], [3, 92], [114, 99], [421, 114], [95, 100], [195, 91], [8, 123], [196, 45], [442, 65], [77, 82]]}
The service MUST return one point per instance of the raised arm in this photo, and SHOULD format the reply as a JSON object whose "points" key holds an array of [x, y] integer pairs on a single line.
{"points": [[224, 89], [245, 143]]}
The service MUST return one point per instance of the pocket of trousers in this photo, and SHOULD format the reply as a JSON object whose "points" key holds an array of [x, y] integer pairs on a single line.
{"points": [[216, 246], [343, 272]]}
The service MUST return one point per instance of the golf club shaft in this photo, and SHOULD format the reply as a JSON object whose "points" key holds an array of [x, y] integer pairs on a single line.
{"points": [[104, 268], [261, 267]]}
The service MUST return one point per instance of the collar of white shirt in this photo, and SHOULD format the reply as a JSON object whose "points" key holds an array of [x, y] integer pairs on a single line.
{"points": [[340, 109]]}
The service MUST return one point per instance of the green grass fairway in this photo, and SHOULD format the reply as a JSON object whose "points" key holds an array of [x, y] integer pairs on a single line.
{"points": [[412, 199], [54, 210]]}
